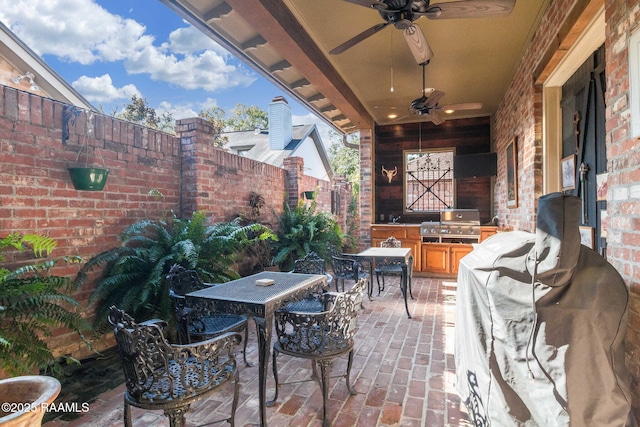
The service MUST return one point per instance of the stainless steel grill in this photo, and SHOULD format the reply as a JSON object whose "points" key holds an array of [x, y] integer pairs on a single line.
{"points": [[455, 225]]}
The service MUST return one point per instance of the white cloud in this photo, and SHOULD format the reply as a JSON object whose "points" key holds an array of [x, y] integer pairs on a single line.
{"points": [[101, 89], [81, 31], [178, 112], [73, 30]]}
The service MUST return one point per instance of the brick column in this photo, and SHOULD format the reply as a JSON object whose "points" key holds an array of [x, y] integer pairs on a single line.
{"points": [[196, 142], [366, 187], [295, 171]]}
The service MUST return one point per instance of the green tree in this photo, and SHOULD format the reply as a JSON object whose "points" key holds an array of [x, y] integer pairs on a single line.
{"points": [[248, 118], [344, 160], [138, 111], [217, 117]]}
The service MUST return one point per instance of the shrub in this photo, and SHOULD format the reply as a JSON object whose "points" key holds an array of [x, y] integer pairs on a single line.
{"points": [[32, 302], [303, 230], [134, 273]]}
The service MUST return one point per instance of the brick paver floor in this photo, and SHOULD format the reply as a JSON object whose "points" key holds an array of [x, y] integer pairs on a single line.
{"points": [[403, 372]]}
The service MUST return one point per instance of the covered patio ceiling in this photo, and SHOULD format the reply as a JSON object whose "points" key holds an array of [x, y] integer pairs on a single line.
{"points": [[288, 41]]}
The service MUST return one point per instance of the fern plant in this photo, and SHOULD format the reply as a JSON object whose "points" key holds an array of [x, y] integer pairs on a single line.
{"points": [[302, 230], [32, 302], [133, 277]]}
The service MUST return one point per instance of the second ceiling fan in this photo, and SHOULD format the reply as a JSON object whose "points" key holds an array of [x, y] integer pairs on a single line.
{"points": [[402, 14], [427, 107]]}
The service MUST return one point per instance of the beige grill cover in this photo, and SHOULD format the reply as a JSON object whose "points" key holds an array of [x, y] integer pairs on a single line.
{"points": [[540, 323]]}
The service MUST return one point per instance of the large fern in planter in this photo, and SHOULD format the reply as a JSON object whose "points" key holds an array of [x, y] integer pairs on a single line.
{"points": [[32, 302], [133, 274], [303, 230]]}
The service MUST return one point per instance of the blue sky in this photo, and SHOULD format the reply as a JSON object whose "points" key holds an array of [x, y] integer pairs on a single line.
{"points": [[110, 50]]}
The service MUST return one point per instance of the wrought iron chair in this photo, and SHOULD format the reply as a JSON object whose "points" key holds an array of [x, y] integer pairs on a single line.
{"points": [[389, 268], [195, 325], [161, 376], [310, 264], [321, 337], [346, 269]]}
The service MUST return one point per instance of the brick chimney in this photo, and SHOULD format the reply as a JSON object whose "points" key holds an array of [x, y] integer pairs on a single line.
{"points": [[280, 127]]}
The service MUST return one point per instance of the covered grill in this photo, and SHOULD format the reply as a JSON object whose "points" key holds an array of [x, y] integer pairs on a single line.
{"points": [[455, 226]]}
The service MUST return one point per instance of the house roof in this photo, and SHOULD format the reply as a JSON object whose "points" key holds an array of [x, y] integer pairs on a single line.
{"points": [[22, 58], [257, 144]]}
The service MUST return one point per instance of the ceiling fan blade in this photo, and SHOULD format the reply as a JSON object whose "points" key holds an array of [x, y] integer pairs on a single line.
{"points": [[417, 43], [463, 106], [434, 117], [369, 3], [433, 99], [357, 39], [397, 119], [469, 9]]}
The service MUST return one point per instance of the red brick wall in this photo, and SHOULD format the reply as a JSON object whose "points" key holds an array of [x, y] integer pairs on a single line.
{"points": [[37, 196], [623, 154], [519, 115]]}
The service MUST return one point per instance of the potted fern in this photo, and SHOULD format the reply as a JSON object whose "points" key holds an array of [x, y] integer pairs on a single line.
{"points": [[133, 274], [302, 230], [32, 302]]}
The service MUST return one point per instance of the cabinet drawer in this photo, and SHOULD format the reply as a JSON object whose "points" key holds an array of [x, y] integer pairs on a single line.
{"points": [[386, 232]]}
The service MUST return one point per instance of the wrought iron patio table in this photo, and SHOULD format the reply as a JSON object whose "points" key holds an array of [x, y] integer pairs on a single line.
{"points": [[244, 296], [402, 255]]}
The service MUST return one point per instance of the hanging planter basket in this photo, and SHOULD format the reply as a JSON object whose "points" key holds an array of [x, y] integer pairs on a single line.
{"points": [[88, 178], [83, 176]]}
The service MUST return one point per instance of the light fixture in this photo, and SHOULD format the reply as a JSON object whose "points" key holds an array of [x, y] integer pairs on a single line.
{"points": [[392, 116], [449, 111], [29, 76]]}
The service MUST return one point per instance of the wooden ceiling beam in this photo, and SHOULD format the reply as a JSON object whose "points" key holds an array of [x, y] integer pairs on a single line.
{"points": [[275, 22]]}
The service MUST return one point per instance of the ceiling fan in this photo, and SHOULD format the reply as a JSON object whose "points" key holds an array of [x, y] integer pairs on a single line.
{"points": [[428, 107], [402, 14]]}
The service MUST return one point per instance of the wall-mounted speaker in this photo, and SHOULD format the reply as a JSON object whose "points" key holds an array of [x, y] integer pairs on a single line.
{"points": [[475, 165]]}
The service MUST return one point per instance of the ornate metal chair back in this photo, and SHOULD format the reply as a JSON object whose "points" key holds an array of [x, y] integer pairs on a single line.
{"points": [[161, 376], [310, 264], [391, 242], [183, 281]]}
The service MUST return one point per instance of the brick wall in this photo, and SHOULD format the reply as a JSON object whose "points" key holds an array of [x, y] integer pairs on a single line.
{"points": [[37, 196], [623, 154], [520, 116]]}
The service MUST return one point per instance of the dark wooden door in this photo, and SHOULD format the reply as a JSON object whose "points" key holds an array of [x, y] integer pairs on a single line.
{"points": [[583, 136]]}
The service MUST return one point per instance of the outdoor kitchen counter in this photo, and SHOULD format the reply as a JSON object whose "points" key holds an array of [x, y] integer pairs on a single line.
{"points": [[434, 258]]}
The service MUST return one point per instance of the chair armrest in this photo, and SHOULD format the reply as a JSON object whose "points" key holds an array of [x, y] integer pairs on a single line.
{"points": [[228, 340], [155, 322]]}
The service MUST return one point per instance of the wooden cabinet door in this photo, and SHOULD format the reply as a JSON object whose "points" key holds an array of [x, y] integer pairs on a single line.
{"points": [[487, 232], [415, 251], [435, 258], [457, 252]]}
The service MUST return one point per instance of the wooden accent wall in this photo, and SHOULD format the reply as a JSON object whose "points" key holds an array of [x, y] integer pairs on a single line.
{"points": [[468, 136]]}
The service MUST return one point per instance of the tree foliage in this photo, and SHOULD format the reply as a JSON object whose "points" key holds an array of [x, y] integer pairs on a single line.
{"points": [[139, 112], [242, 118], [346, 161], [216, 116], [248, 118]]}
